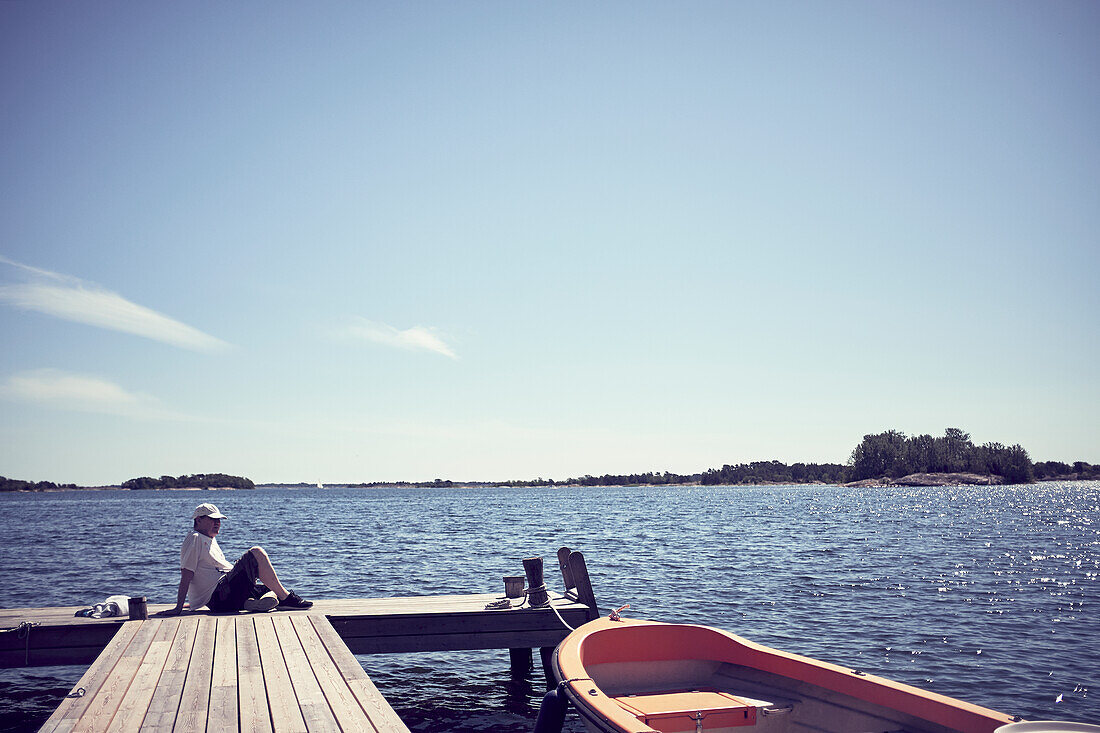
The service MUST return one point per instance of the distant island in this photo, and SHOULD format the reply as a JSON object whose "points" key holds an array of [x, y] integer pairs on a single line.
{"points": [[881, 459], [194, 481]]}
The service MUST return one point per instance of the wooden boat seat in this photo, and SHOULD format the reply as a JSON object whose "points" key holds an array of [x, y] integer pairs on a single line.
{"points": [[689, 710]]}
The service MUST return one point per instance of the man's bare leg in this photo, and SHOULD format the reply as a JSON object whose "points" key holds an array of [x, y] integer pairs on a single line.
{"points": [[267, 574]]}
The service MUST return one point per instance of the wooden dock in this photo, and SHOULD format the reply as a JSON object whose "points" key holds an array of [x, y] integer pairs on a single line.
{"points": [[279, 671], [42, 636], [250, 672]]}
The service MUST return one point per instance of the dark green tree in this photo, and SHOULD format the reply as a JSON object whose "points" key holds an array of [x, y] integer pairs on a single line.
{"points": [[879, 455]]}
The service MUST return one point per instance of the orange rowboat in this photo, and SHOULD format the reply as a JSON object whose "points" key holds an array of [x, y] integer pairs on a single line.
{"points": [[628, 676]]}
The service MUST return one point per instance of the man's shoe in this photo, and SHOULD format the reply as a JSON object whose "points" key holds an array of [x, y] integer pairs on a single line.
{"points": [[266, 602], [295, 601]]}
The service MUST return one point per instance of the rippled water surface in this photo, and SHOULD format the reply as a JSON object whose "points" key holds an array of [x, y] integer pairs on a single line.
{"points": [[989, 594]]}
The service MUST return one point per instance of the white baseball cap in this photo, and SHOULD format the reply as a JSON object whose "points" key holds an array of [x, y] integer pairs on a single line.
{"points": [[208, 510]]}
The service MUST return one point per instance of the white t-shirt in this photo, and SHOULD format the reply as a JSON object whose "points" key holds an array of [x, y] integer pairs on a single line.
{"points": [[202, 556]]}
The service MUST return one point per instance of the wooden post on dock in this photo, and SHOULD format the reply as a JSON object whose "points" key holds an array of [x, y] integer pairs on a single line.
{"points": [[575, 576], [537, 596], [574, 573], [566, 573], [519, 662], [547, 655], [521, 659]]}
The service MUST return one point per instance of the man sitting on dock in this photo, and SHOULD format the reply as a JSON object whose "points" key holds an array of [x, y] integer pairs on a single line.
{"points": [[206, 579]]}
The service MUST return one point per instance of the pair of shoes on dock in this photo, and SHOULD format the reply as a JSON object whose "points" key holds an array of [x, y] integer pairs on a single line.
{"points": [[269, 602]]}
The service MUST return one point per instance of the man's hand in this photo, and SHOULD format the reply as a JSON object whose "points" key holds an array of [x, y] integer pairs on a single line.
{"points": [[186, 577]]}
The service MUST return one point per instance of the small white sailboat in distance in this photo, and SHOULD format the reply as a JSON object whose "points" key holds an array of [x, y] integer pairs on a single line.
{"points": [[320, 485]]}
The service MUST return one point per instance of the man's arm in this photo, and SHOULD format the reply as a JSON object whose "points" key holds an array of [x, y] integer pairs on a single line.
{"points": [[181, 596]]}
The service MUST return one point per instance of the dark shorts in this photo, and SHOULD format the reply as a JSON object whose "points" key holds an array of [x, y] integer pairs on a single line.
{"points": [[237, 586]]}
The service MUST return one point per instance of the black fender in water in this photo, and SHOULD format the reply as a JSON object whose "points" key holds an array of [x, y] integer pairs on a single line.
{"points": [[552, 711]]}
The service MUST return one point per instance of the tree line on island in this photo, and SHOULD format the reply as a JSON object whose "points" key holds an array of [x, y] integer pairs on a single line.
{"points": [[892, 455], [14, 484], [883, 457], [194, 481]]}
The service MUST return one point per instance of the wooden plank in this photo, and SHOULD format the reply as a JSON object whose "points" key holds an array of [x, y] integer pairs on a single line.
{"points": [[285, 713], [517, 628], [579, 570], [135, 704], [101, 710], [311, 699], [223, 677], [70, 710], [254, 713], [410, 604], [452, 643], [165, 703], [62, 638], [53, 618], [53, 615], [71, 655], [369, 633], [563, 563], [381, 715], [47, 642], [524, 622], [515, 620], [63, 616], [345, 708], [195, 700], [56, 636]]}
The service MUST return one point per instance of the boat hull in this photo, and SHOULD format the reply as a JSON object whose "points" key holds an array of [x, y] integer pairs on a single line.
{"points": [[631, 676]]}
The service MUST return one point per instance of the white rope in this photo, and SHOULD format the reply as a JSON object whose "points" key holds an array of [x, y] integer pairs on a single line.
{"points": [[507, 603], [560, 618], [571, 594]]}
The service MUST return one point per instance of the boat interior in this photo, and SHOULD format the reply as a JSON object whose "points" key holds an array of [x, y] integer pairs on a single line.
{"points": [[717, 697]]}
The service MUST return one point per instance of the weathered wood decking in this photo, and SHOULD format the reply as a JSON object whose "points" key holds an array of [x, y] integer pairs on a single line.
{"points": [[251, 672], [367, 626], [286, 671]]}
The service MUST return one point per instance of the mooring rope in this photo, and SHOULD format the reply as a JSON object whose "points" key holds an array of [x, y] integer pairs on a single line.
{"points": [[23, 631], [563, 623], [527, 592], [541, 589], [570, 594]]}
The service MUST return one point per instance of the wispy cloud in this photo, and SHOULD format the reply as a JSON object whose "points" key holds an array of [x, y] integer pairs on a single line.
{"points": [[62, 390], [417, 338], [72, 299]]}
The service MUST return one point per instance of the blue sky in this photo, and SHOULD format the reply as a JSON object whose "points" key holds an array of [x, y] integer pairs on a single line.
{"points": [[386, 241]]}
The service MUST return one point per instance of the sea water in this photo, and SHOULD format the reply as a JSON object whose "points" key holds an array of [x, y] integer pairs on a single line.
{"points": [[988, 594]]}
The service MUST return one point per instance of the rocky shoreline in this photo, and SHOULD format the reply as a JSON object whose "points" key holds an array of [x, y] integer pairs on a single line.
{"points": [[932, 479]]}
